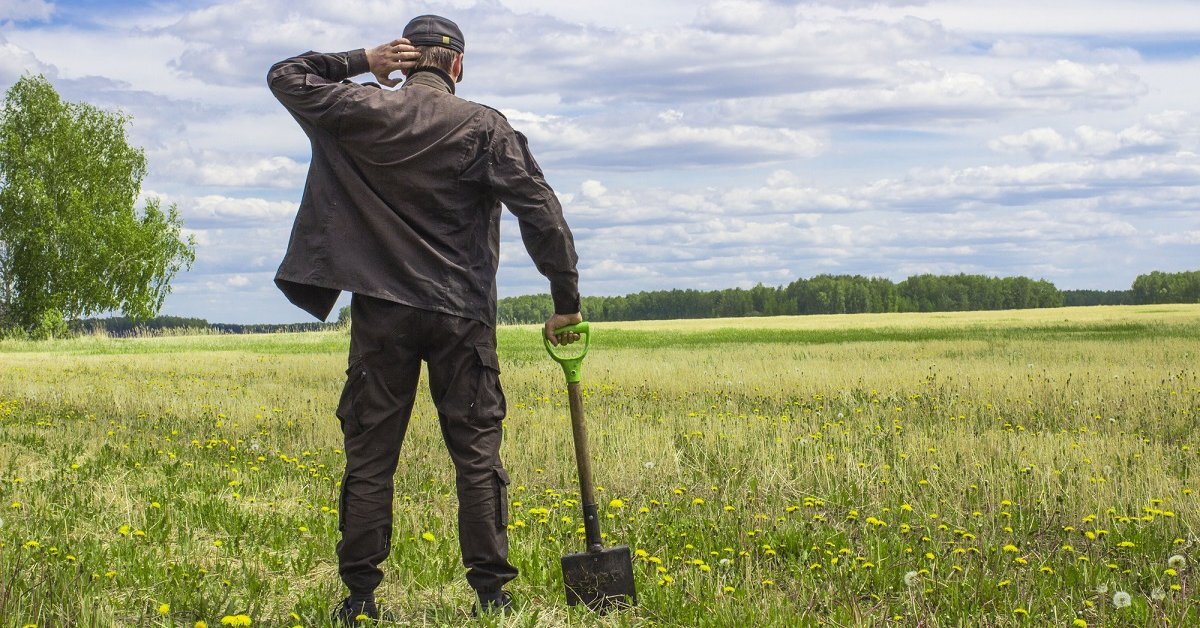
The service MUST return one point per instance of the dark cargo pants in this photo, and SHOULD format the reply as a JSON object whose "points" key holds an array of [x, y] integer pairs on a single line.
{"points": [[388, 341]]}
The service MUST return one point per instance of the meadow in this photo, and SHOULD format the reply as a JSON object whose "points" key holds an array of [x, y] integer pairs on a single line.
{"points": [[973, 469]]}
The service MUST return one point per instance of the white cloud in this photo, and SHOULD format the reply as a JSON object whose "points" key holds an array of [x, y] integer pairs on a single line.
{"points": [[1084, 140], [1185, 237], [16, 61], [21, 10], [650, 142], [1105, 84], [230, 169], [213, 212]]}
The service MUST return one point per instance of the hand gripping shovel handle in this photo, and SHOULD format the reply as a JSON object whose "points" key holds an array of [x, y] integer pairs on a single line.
{"points": [[571, 368]]}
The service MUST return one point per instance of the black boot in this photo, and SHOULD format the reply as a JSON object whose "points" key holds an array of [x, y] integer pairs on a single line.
{"points": [[493, 602], [351, 609]]}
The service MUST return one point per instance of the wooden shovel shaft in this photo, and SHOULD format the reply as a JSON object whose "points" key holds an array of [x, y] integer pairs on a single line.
{"points": [[587, 492]]}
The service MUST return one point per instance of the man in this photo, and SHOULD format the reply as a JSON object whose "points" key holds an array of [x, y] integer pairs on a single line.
{"points": [[402, 208]]}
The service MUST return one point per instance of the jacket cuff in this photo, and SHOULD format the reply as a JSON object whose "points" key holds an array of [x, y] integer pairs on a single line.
{"points": [[566, 300], [356, 62]]}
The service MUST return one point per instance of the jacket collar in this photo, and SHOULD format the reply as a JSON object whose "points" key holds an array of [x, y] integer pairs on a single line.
{"points": [[431, 77]]}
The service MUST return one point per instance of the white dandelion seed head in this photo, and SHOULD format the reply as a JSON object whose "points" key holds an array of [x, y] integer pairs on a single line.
{"points": [[724, 562], [1177, 562], [1158, 594], [912, 579], [1102, 588], [649, 464], [1122, 599]]}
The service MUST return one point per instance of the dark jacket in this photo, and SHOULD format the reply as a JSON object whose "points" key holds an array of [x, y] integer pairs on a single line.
{"points": [[403, 194]]}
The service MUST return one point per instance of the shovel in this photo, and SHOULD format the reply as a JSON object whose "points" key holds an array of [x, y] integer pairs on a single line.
{"points": [[600, 578]]}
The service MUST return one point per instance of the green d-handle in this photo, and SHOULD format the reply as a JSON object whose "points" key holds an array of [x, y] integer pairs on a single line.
{"points": [[573, 365]]}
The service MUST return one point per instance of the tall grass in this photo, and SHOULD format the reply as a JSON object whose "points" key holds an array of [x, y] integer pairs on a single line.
{"points": [[967, 469]]}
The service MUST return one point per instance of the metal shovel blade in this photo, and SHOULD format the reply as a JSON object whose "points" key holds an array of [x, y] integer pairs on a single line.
{"points": [[600, 579]]}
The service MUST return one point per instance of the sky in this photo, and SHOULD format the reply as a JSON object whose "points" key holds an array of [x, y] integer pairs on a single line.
{"points": [[693, 144]]}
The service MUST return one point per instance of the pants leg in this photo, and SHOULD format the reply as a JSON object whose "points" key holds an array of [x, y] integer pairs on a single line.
{"points": [[465, 384], [374, 410]]}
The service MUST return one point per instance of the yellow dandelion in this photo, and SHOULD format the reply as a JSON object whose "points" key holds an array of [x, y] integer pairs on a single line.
{"points": [[428, 536], [1020, 612], [164, 609], [616, 503]]}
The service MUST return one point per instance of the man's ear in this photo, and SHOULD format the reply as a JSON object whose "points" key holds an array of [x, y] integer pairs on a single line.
{"points": [[457, 68]]}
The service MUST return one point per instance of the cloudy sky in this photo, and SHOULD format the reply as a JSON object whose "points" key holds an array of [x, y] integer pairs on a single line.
{"points": [[694, 144]]}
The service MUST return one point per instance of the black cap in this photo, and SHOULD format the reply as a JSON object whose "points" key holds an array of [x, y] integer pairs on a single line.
{"points": [[435, 30]]}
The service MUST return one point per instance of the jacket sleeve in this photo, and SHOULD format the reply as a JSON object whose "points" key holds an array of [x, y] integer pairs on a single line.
{"points": [[517, 181], [310, 85]]}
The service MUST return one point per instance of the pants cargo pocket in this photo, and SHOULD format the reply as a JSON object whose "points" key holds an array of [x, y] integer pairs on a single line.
{"points": [[501, 485], [342, 504], [489, 404], [356, 378]]}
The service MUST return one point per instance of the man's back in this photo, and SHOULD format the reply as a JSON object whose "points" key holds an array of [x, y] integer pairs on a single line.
{"points": [[403, 196]]}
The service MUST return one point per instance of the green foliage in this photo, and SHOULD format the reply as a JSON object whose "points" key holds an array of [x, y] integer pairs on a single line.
{"points": [[823, 294], [1073, 298], [1160, 287], [71, 240]]}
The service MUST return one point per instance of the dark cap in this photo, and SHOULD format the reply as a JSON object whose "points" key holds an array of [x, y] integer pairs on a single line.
{"points": [[435, 30]]}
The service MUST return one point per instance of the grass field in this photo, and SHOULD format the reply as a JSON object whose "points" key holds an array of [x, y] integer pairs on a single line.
{"points": [[995, 469]]}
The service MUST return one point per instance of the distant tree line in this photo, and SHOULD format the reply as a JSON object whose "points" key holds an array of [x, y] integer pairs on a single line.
{"points": [[123, 326], [1073, 298], [1156, 287], [823, 294], [852, 294]]}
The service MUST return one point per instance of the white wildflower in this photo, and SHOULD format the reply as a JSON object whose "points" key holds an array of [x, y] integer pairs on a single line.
{"points": [[1121, 599]]}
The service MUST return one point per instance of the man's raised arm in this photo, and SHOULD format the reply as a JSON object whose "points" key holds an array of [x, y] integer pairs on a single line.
{"points": [[310, 85]]}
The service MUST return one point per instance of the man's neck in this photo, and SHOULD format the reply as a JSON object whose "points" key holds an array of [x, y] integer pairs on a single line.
{"points": [[430, 76]]}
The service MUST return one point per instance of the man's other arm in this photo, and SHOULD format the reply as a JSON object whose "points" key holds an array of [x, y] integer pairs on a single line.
{"points": [[515, 178]]}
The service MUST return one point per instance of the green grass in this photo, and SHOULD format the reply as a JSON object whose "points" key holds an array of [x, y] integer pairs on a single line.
{"points": [[1014, 468]]}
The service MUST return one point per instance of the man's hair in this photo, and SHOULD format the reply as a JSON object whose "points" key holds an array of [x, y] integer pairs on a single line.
{"points": [[435, 56]]}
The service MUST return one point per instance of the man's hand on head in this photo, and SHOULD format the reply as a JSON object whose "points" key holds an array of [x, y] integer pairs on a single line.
{"points": [[384, 59], [562, 320]]}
